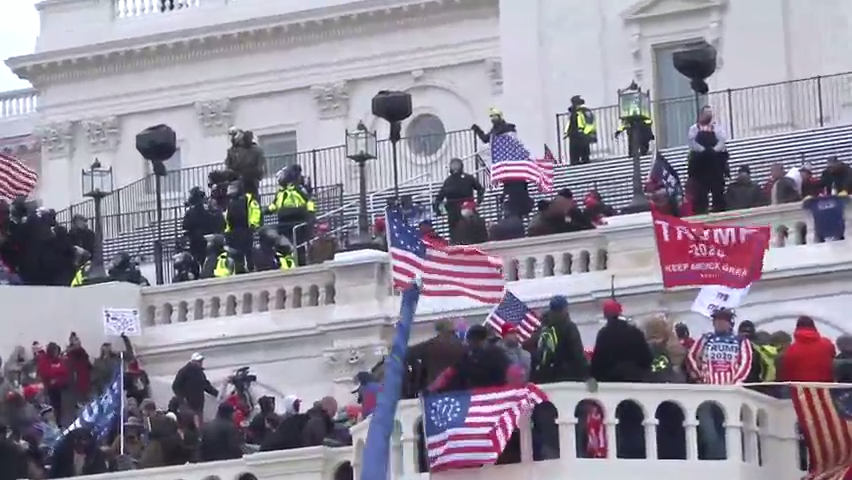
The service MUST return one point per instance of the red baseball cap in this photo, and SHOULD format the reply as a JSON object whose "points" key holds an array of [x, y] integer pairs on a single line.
{"points": [[611, 308], [507, 329]]}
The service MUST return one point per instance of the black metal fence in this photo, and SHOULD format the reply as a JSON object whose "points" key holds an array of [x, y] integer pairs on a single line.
{"points": [[743, 112]]}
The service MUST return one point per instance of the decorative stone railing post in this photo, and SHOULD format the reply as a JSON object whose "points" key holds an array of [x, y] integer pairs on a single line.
{"points": [[361, 281]]}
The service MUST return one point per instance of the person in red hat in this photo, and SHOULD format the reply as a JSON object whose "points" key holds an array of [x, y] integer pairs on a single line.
{"points": [[471, 228], [621, 352]]}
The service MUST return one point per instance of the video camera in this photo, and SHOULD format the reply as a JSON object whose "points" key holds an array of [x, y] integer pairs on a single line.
{"points": [[242, 380]]}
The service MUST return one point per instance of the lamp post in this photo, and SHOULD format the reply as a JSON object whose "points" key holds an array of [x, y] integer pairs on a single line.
{"points": [[635, 106], [97, 185], [361, 146]]}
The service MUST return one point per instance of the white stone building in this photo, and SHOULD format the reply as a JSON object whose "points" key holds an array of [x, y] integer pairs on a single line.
{"points": [[299, 73]]}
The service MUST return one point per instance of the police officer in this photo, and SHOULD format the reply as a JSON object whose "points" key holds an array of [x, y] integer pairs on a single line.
{"points": [[242, 218], [201, 219], [581, 131], [294, 206], [265, 255], [217, 261], [284, 254], [82, 259], [185, 267], [123, 268], [457, 188], [499, 126], [634, 117]]}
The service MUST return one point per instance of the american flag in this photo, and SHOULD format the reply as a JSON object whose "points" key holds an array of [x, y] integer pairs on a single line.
{"points": [[511, 162], [662, 173], [824, 414], [446, 270], [515, 312], [471, 428], [15, 178]]}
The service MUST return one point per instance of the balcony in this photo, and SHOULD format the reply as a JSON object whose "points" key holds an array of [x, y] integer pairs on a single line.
{"points": [[581, 263], [18, 112]]}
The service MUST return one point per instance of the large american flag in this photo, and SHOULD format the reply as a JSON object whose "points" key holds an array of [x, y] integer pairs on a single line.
{"points": [[515, 312], [512, 162], [15, 177], [446, 270], [471, 428], [824, 414]]}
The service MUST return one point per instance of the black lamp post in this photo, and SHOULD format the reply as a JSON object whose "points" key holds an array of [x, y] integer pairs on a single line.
{"points": [[635, 106], [361, 146], [97, 185]]}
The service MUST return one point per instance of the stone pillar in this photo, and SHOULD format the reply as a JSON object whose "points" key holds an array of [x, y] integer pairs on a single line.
{"points": [[630, 244], [361, 283], [57, 175]]}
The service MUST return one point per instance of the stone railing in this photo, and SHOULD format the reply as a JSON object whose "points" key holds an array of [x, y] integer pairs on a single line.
{"points": [[138, 8], [760, 435], [626, 245], [16, 103]]}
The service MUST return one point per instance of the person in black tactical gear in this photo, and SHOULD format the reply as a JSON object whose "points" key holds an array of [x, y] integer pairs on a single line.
{"points": [[457, 188], [242, 218], [285, 252], [246, 159], [217, 262], [294, 205], [122, 268], [499, 126], [80, 233], [199, 221], [185, 267], [217, 182], [267, 256]]}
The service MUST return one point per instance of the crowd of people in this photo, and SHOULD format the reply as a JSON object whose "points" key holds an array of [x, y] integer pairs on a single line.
{"points": [[44, 433]]}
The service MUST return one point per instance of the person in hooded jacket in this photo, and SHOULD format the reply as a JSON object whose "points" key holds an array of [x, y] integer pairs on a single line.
{"points": [[320, 424], [220, 438], [483, 365], [810, 358], [471, 228], [510, 227], [837, 177], [246, 159], [456, 189], [438, 353], [558, 347], [264, 422]]}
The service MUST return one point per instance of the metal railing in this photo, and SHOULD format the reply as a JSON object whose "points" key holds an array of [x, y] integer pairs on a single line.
{"points": [[743, 112]]}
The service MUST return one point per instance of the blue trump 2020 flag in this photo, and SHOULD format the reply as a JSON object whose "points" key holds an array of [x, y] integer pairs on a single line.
{"points": [[376, 457], [100, 414], [829, 224]]}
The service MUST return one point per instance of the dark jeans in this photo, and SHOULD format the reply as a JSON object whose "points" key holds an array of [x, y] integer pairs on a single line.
{"points": [[701, 193], [579, 151]]}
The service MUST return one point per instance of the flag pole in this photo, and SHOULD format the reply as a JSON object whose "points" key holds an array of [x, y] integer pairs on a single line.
{"points": [[122, 404]]}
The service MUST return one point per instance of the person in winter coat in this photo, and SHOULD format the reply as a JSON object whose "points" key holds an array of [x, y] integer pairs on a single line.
{"points": [[19, 367], [842, 366], [596, 209], [471, 228], [80, 368], [190, 385], [682, 334], [558, 347], [246, 159], [621, 352], [519, 358], [666, 350], [12, 457], [56, 377], [483, 365], [837, 177], [320, 422], [457, 188], [264, 422], [104, 367], [510, 227], [78, 455], [743, 192], [810, 358], [438, 353], [136, 382], [220, 438], [707, 163], [560, 215]]}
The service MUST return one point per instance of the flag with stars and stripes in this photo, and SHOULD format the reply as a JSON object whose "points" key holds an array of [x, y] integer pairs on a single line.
{"points": [[512, 162], [514, 311], [446, 270], [471, 428], [16, 179], [824, 414]]}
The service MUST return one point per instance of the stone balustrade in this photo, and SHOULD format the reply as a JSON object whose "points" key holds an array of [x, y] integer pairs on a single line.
{"points": [[760, 439], [18, 103], [626, 245]]}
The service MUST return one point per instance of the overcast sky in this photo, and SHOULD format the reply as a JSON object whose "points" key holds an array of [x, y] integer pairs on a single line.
{"points": [[17, 37]]}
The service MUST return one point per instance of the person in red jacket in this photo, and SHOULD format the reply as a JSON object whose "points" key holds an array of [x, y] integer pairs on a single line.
{"points": [[80, 367], [54, 375], [809, 358]]}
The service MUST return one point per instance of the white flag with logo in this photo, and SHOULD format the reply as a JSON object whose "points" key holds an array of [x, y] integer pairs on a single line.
{"points": [[714, 297]]}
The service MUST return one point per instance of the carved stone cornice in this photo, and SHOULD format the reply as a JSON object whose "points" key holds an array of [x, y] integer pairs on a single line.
{"points": [[103, 134], [57, 139], [332, 99], [347, 359], [272, 32], [215, 116], [494, 68]]}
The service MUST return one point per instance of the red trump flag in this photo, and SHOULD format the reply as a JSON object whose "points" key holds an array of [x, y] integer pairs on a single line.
{"points": [[697, 254]]}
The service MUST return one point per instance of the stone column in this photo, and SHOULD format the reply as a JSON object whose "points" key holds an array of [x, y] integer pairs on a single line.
{"points": [[361, 283], [57, 175]]}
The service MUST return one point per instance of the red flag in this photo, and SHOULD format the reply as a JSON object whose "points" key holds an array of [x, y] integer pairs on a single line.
{"points": [[697, 254]]}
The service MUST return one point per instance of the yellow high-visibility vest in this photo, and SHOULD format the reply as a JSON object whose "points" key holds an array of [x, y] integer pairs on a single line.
{"points": [[224, 267], [81, 275], [285, 262], [254, 214]]}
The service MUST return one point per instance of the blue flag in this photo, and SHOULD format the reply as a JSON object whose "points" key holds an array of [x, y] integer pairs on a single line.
{"points": [[100, 414], [829, 223], [376, 456]]}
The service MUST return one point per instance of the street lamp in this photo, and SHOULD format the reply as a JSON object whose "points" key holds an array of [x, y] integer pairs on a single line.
{"points": [[361, 146], [634, 106], [97, 185]]}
